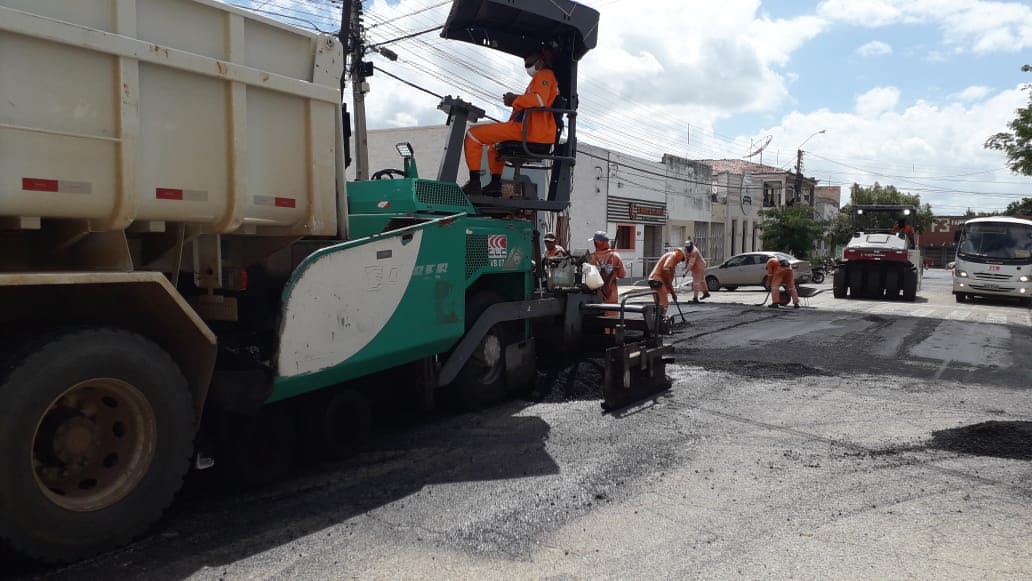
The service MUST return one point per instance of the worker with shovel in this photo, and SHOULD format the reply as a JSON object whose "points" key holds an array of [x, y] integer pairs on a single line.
{"points": [[662, 278], [779, 272]]}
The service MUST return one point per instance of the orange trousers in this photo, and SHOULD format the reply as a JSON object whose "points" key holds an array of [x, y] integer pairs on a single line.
{"points": [[783, 278], [487, 135]]}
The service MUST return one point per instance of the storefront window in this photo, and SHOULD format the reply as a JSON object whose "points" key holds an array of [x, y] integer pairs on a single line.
{"points": [[624, 238]]}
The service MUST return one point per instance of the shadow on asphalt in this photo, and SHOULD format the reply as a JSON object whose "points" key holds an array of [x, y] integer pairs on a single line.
{"points": [[211, 526], [1008, 439]]}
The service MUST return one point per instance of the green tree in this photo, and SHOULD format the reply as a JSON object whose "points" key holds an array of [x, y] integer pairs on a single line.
{"points": [[1022, 208], [1017, 143], [791, 229], [841, 229]]}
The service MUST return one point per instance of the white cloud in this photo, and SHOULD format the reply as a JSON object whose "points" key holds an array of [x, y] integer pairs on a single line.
{"points": [[651, 83], [976, 93], [871, 13], [932, 150], [979, 26], [877, 101], [874, 48]]}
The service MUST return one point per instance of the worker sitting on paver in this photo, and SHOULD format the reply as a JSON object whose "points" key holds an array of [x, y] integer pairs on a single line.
{"points": [[662, 278], [779, 272], [541, 127]]}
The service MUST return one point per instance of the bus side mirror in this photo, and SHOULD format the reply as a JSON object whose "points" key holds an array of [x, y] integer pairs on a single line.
{"points": [[956, 236]]}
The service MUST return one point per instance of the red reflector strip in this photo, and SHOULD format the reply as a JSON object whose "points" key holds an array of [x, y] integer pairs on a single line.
{"points": [[62, 186], [178, 194], [168, 194], [40, 185], [275, 201]]}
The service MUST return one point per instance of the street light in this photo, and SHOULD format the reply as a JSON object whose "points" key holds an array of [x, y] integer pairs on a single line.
{"points": [[812, 135], [799, 164]]}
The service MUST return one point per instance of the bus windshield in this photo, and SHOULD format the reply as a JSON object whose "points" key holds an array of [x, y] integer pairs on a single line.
{"points": [[996, 241]]}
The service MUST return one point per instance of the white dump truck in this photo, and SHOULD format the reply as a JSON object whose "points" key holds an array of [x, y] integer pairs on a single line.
{"points": [[150, 152]]}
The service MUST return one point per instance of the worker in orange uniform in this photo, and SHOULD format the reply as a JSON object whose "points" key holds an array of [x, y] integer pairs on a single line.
{"points": [[553, 250], [609, 265], [779, 272], [905, 230], [662, 277], [696, 264], [541, 128]]}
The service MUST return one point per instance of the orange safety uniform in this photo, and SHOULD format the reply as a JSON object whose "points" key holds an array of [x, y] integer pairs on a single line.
{"points": [[664, 273], [541, 92], [554, 251], [908, 232], [778, 275], [611, 266], [697, 266]]}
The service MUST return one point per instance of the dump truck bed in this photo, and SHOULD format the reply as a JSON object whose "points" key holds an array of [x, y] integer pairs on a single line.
{"points": [[106, 115]]}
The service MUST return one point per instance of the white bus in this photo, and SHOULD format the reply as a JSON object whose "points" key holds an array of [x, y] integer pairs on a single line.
{"points": [[994, 259]]}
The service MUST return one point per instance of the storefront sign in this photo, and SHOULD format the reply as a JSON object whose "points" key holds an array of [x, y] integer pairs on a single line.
{"points": [[637, 211]]}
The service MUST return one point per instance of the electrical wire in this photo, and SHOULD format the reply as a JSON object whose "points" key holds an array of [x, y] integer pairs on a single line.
{"points": [[460, 69]]}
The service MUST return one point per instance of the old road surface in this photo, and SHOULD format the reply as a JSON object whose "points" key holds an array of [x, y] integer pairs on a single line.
{"points": [[844, 440]]}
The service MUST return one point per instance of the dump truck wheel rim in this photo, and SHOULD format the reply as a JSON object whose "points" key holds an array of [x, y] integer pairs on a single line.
{"points": [[94, 444]]}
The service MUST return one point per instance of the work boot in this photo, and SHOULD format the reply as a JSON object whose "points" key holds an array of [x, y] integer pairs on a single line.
{"points": [[472, 188], [773, 306], [494, 187]]}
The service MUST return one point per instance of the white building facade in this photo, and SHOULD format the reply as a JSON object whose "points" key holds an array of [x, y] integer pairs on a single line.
{"points": [[645, 206]]}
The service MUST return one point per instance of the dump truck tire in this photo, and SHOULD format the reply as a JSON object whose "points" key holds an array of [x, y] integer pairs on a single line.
{"points": [[96, 432]]}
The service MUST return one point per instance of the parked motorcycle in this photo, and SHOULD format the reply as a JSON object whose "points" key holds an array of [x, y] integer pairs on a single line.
{"points": [[821, 270]]}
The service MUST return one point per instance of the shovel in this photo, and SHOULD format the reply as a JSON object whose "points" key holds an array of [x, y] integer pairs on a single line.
{"points": [[678, 305]]}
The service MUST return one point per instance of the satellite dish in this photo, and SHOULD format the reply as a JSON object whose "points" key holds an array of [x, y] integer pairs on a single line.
{"points": [[763, 145]]}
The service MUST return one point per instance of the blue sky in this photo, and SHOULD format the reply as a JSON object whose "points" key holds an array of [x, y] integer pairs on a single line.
{"points": [[906, 91]]}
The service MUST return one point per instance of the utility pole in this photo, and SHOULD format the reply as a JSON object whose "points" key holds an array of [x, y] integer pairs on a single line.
{"points": [[799, 165], [359, 87], [798, 175]]}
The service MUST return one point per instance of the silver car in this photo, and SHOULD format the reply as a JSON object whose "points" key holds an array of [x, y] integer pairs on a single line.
{"points": [[750, 269]]}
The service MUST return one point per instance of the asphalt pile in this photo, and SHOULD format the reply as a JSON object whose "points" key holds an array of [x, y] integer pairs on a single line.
{"points": [[581, 380]]}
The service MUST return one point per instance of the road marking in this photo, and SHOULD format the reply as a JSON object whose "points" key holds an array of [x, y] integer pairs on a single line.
{"points": [[996, 319], [942, 368], [959, 315]]}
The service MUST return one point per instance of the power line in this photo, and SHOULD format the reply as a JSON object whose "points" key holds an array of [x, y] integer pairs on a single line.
{"points": [[420, 11]]}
